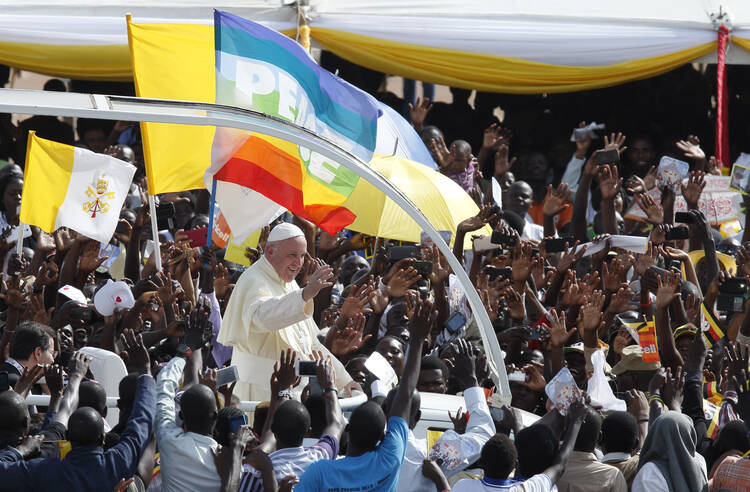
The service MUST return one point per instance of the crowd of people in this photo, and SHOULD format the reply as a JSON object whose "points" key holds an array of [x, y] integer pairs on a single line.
{"points": [[670, 416]]}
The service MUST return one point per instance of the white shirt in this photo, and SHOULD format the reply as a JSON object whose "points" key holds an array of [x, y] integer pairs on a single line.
{"points": [[532, 231], [572, 174], [537, 483], [478, 431], [497, 192], [650, 478], [186, 459]]}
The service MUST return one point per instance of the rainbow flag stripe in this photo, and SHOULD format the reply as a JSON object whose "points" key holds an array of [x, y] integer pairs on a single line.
{"points": [[262, 70]]}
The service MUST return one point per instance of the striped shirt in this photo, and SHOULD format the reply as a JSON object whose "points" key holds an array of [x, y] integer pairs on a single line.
{"points": [[290, 461]]}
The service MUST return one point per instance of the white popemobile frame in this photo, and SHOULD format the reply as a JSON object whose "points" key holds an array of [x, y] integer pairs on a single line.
{"points": [[206, 114]]}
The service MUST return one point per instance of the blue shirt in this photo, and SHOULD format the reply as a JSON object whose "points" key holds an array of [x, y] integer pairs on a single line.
{"points": [[90, 467], [373, 471]]}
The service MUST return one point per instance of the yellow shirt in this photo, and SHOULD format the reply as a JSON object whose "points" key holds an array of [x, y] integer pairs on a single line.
{"points": [[266, 315]]}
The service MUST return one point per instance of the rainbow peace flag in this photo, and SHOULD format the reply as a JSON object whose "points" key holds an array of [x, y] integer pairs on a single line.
{"points": [[262, 70]]}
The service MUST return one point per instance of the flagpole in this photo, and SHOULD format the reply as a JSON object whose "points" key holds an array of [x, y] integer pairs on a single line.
{"points": [[211, 208], [19, 239], [154, 231]]}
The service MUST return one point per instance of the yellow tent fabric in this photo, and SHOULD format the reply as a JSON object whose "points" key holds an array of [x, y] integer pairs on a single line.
{"points": [[174, 61], [492, 73], [440, 199], [110, 62]]}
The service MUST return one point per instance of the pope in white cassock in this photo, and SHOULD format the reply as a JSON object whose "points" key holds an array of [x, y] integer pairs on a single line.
{"points": [[268, 313]]}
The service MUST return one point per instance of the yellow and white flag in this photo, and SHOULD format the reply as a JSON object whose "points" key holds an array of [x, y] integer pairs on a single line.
{"points": [[66, 186]]}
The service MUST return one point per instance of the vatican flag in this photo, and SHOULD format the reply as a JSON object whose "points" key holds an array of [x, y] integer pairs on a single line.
{"points": [[66, 186]]}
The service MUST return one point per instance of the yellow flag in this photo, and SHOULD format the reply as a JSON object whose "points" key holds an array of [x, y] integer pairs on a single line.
{"points": [[174, 61]]}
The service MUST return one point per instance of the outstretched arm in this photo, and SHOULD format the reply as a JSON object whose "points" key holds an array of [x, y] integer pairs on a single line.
{"points": [[419, 328]]}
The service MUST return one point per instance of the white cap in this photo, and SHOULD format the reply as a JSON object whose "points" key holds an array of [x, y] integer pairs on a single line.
{"points": [[72, 293], [283, 231], [113, 296]]}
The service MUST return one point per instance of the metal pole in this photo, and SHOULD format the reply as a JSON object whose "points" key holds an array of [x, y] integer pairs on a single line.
{"points": [[154, 231]]}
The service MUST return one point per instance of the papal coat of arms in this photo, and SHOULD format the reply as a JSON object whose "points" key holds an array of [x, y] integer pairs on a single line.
{"points": [[98, 196]]}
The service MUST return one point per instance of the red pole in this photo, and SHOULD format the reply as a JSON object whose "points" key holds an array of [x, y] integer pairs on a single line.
{"points": [[722, 100]]}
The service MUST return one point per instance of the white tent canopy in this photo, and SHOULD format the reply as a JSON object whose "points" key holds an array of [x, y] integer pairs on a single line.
{"points": [[529, 46]]}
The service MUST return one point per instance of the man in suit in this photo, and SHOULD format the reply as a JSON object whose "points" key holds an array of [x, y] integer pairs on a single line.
{"points": [[32, 344]]}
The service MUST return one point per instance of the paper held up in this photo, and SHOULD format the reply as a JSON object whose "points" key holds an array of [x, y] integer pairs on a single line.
{"points": [[635, 244], [588, 131], [717, 202]]}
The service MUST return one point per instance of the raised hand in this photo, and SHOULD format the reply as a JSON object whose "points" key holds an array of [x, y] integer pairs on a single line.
{"points": [[534, 376], [78, 365], [419, 112], [650, 179], [691, 148], [64, 239], [319, 280], [401, 281], [556, 200], [516, 308], [673, 388], [653, 211], [691, 191], [14, 292], [590, 317], [503, 163], [464, 365], [615, 142], [609, 181], [494, 136], [634, 185], [713, 166], [667, 290], [137, 354], [324, 372], [440, 152], [481, 219], [350, 339], [48, 274], [35, 310], [222, 281], [670, 253], [53, 375], [90, 259], [208, 378], [441, 270], [423, 320], [522, 263], [735, 359], [490, 304], [613, 274], [637, 404], [356, 301], [27, 379], [558, 329], [571, 256], [460, 420], [284, 374], [646, 259], [620, 300]]}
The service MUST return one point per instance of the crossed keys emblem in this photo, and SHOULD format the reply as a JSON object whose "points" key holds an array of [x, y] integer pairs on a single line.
{"points": [[98, 196]]}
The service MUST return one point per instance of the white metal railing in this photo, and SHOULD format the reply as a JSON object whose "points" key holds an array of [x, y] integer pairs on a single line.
{"points": [[246, 406]]}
